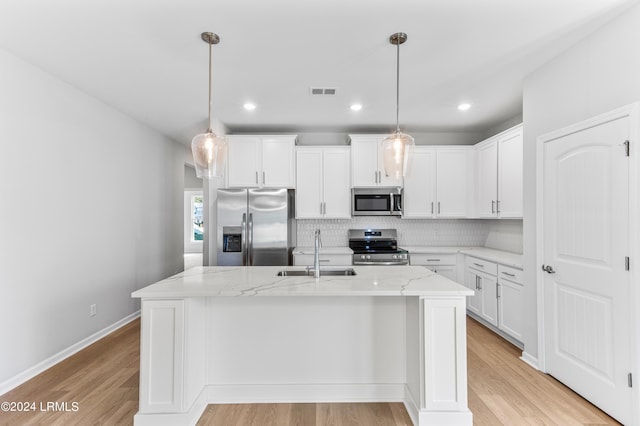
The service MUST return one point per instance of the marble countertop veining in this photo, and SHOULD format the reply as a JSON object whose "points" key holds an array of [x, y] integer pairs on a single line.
{"points": [[238, 281]]}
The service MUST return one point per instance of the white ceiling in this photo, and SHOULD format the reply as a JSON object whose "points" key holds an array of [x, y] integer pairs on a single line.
{"points": [[146, 58]]}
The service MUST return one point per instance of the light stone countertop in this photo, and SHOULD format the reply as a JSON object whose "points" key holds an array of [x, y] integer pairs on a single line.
{"points": [[507, 258], [323, 250], [237, 281], [431, 249]]}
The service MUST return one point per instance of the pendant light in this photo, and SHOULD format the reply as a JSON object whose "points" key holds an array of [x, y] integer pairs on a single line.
{"points": [[397, 148], [209, 150]]}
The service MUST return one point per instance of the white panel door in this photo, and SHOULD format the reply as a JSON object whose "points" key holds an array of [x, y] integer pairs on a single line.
{"points": [[243, 161], [278, 164], [309, 183], [487, 178], [452, 169], [337, 187], [510, 174], [586, 239], [419, 196]]}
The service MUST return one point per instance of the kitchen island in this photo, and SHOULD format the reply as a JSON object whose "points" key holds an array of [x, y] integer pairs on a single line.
{"points": [[246, 335]]}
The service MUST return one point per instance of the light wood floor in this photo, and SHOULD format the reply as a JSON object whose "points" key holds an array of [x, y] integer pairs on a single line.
{"points": [[103, 380]]}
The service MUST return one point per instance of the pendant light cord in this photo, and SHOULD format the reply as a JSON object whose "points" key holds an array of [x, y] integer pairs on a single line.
{"points": [[210, 130], [398, 87]]}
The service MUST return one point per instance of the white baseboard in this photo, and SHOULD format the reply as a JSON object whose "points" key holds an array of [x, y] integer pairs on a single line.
{"points": [[189, 418], [299, 393], [531, 360], [30, 373]]}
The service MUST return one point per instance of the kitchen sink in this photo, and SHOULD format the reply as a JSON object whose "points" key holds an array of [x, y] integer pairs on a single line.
{"points": [[323, 272]]}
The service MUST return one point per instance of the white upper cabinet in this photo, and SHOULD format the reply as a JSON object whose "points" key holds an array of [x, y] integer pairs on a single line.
{"points": [[367, 168], [487, 177], [256, 161], [510, 157], [419, 194], [499, 175], [440, 183], [323, 183]]}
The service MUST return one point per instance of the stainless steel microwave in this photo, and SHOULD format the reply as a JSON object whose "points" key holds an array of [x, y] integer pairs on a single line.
{"points": [[376, 202]]}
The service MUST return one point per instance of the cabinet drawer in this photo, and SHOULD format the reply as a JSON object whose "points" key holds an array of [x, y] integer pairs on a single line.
{"points": [[481, 265], [432, 259], [325, 259], [511, 274]]}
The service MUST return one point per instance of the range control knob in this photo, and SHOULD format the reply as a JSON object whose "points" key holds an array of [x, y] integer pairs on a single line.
{"points": [[395, 256], [368, 257], [362, 257]]}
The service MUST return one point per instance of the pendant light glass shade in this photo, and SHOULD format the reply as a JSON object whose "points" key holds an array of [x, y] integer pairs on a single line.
{"points": [[209, 153], [397, 148], [209, 150], [397, 152]]}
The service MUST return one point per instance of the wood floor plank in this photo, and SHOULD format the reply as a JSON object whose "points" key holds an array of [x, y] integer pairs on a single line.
{"points": [[104, 379]]}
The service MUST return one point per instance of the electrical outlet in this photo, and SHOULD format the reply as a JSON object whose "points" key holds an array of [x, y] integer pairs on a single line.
{"points": [[93, 310]]}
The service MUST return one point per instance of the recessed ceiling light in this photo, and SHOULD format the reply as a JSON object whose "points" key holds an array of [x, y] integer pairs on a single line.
{"points": [[464, 106], [249, 106], [356, 107]]}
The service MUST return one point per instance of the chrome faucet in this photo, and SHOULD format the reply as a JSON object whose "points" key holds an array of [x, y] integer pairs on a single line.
{"points": [[316, 255]]}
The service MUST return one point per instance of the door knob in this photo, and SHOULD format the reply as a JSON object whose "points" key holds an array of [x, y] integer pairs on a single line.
{"points": [[548, 269]]}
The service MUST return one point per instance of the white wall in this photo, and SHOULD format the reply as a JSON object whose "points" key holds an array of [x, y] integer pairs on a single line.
{"points": [[598, 74], [91, 209]]}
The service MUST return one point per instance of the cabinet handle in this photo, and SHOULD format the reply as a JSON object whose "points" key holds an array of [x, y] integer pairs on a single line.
{"points": [[509, 275], [433, 260], [479, 283], [493, 208], [263, 174], [379, 176], [498, 206], [438, 207], [375, 176], [256, 177], [479, 265], [320, 208], [324, 208], [432, 207], [497, 291]]}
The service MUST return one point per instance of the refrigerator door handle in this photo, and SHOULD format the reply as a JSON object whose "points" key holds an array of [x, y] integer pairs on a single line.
{"points": [[250, 239], [243, 237]]}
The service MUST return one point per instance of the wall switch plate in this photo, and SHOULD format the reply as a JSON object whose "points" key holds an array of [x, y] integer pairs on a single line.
{"points": [[93, 310]]}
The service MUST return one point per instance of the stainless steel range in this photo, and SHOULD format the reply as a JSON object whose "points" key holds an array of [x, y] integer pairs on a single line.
{"points": [[376, 247]]}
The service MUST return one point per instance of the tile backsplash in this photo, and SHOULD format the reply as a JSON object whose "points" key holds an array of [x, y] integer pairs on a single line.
{"points": [[498, 234]]}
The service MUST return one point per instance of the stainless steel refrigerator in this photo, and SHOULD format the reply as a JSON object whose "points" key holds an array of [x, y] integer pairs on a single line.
{"points": [[255, 227]]}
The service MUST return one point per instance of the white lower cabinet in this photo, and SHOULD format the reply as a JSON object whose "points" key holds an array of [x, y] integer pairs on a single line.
{"points": [[498, 295], [440, 263], [510, 301]]}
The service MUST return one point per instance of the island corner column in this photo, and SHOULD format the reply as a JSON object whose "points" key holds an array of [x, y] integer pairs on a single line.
{"points": [[436, 391]]}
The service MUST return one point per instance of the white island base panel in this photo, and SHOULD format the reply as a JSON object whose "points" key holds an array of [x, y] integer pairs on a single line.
{"points": [[213, 350]]}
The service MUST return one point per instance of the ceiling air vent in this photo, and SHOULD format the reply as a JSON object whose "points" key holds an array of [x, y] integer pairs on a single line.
{"points": [[322, 91]]}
